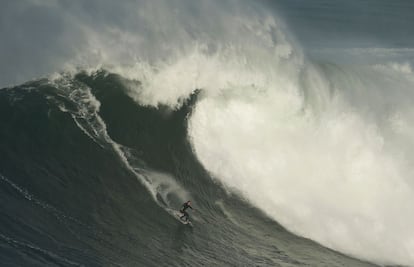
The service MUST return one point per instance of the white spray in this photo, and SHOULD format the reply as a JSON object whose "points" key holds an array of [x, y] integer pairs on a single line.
{"points": [[315, 152]]}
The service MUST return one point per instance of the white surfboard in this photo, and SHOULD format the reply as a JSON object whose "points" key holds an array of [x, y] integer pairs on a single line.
{"points": [[179, 214]]}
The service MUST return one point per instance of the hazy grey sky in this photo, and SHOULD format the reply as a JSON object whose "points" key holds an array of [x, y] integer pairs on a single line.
{"points": [[40, 36]]}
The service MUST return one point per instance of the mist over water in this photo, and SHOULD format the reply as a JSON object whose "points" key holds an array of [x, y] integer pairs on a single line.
{"points": [[322, 145]]}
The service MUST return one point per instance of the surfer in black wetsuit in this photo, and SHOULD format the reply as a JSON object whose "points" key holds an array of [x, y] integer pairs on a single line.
{"points": [[185, 206]]}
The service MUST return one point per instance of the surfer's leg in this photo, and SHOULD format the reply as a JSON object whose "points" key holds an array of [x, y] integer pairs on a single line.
{"points": [[185, 216]]}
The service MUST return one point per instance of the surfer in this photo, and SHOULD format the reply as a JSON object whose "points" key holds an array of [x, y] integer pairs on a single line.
{"points": [[185, 206]]}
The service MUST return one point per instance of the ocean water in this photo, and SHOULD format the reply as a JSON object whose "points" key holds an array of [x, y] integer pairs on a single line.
{"points": [[287, 123]]}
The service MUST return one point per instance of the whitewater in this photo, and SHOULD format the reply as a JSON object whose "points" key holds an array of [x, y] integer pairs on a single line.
{"points": [[318, 140]]}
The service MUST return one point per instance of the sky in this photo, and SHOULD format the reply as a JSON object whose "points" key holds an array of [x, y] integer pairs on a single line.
{"points": [[44, 36]]}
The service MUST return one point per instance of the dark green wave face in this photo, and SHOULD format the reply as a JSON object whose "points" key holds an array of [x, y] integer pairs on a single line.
{"points": [[89, 178]]}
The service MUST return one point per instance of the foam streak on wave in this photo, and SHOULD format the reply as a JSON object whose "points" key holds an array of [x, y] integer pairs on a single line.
{"points": [[84, 109]]}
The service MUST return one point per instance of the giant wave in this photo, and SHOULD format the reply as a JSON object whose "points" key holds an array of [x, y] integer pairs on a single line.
{"points": [[231, 114]]}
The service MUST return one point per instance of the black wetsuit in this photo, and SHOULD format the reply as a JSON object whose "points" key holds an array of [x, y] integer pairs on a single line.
{"points": [[182, 210]]}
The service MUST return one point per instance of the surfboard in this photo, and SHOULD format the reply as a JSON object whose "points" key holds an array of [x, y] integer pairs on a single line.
{"points": [[179, 214]]}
